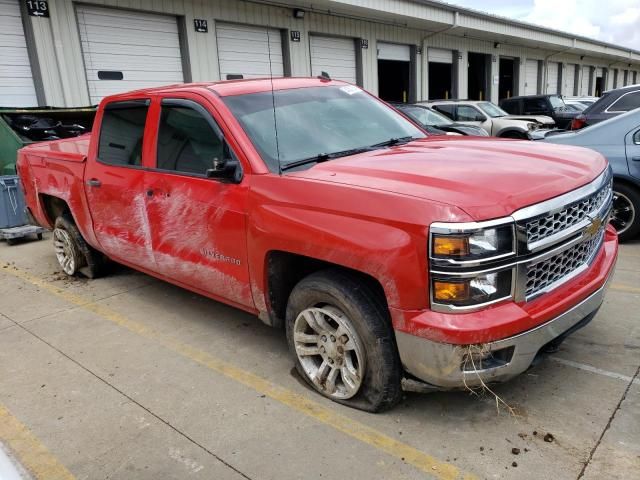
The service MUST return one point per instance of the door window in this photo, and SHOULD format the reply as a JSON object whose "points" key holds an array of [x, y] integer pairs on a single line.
{"points": [[467, 113], [626, 102], [122, 132], [188, 138], [535, 105], [447, 110]]}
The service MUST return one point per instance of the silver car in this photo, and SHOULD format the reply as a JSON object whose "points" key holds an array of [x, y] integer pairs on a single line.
{"points": [[618, 139]]}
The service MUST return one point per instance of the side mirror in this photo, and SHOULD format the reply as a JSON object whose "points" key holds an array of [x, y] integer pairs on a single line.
{"points": [[228, 168], [480, 118]]}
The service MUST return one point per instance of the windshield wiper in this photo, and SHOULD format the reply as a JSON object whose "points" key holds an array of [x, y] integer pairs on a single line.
{"points": [[323, 157], [393, 141]]}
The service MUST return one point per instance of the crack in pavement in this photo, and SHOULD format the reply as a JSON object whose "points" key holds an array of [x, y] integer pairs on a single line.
{"points": [[606, 428], [106, 382]]}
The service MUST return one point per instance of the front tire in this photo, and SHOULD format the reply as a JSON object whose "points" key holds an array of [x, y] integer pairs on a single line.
{"points": [[340, 335], [625, 216]]}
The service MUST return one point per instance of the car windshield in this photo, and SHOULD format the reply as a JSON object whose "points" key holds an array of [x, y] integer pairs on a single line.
{"points": [[426, 116], [317, 123], [492, 110], [556, 102]]}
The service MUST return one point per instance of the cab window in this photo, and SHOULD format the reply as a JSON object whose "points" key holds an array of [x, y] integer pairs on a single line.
{"points": [[188, 138], [467, 113], [122, 133], [446, 109]]}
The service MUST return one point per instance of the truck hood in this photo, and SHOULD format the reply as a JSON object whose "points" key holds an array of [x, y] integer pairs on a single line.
{"points": [[487, 178], [541, 119]]}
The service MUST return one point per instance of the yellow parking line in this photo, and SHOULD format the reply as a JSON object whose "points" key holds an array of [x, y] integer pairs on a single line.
{"points": [[422, 461], [619, 287], [33, 455]]}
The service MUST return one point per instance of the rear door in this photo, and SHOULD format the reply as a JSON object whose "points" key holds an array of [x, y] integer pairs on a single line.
{"points": [[197, 224], [114, 179]]}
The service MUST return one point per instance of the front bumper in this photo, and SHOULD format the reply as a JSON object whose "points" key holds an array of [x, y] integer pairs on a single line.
{"points": [[454, 366]]}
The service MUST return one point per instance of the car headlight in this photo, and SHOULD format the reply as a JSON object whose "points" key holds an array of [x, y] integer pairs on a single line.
{"points": [[532, 126], [472, 245], [470, 264]]}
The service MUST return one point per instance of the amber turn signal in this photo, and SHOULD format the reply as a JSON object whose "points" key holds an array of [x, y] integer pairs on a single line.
{"points": [[451, 246], [448, 291]]}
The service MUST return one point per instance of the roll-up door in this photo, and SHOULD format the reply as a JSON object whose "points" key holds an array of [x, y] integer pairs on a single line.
{"points": [[335, 56], [439, 55], [569, 79], [16, 80], [585, 75], [125, 50], [531, 77], [249, 51], [552, 77], [393, 51]]}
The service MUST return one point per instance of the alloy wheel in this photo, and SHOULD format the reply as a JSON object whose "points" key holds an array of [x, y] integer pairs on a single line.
{"points": [[63, 246], [623, 213]]}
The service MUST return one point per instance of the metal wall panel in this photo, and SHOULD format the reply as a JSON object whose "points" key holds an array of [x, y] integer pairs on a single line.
{"points": [[249, 51], [336, 56], [17, 88], [569, 79], [585, 75], [143, 47]]}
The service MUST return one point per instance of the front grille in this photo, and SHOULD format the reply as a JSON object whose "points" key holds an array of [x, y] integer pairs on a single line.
{"points": [[549, 224], [547, 272]]}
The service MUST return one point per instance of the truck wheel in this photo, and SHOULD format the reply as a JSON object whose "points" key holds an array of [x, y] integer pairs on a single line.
{"points": [[625, 216], [340, 334], [512, 134], [73, 253]]}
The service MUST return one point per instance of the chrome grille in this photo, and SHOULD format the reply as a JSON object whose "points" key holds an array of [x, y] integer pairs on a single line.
{"points": [[547, 272], [549, 224]]}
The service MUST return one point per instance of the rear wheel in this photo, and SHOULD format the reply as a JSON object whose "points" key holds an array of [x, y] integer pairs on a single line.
{"points": [[512, 134], [72, 252], [340, 334], [625, 215]]}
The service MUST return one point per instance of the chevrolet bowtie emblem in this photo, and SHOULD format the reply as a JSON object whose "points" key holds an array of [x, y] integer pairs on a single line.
{"points": [[594, 226]]}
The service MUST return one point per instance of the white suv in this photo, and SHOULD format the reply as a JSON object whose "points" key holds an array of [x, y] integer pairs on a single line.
{"points": [[491, 118]]}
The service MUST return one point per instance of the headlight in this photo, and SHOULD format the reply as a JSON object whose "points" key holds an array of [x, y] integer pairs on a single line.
{"points": [[532, 126], [465, 292], [474, 245], [470, 264]]}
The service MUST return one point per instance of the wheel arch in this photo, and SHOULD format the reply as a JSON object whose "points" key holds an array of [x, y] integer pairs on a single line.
{"points": [[510, 130], [283, 271]]}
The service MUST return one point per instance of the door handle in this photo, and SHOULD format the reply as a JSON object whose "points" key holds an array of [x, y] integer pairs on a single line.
{"points": [[150, 193], [635, 159], [94, 182]]}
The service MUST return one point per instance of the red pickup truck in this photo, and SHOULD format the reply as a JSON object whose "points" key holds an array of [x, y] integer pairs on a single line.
{"points": [[390, 258]]}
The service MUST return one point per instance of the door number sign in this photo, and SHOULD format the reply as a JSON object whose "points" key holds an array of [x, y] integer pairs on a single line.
{"points": [[200, 25], [38, 8]]}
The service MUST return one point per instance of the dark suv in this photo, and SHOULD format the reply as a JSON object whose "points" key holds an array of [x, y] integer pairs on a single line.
{"points": [[611, 104], [551, 105]]}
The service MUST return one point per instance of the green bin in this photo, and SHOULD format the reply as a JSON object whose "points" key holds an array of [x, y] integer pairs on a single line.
{"points": [[23, 126]]}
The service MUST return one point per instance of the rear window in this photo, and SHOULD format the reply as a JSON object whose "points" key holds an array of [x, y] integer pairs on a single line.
{"points": [[627, 102], [510, 106], [445, 109], [121, 133]]}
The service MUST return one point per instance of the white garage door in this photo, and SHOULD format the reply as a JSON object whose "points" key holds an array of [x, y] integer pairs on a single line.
{"points": [[394, 51], [552, 77], [249, 51], [16, 81], [336, 56], [439, 55], [569, 79], [126, 50], [531, 77], [585, 75]]}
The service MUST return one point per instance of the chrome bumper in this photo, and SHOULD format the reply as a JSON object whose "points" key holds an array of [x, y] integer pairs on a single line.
{"points": [[447, 366]]}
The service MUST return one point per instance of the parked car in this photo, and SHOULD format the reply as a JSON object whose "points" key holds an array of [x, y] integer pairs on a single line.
{"points": [[491, 118], [574, 105], [611, 104], [584, 99], [550, 105], [389, 257], [618, 139], [436, 123]]}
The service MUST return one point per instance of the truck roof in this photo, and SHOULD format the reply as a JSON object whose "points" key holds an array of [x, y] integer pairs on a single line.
{"points": [[241, 86]]}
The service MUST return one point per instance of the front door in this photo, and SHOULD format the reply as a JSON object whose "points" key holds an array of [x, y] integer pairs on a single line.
{"points": [[632, 147], [115, 185], [198, 224]]}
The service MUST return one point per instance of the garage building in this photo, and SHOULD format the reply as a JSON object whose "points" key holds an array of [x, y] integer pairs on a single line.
{"points": [[73, 53]]}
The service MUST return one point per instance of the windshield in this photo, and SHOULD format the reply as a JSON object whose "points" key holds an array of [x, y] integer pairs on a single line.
{"points": [[556, 102], [492, 110], [317, 122], [426, 116]]}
